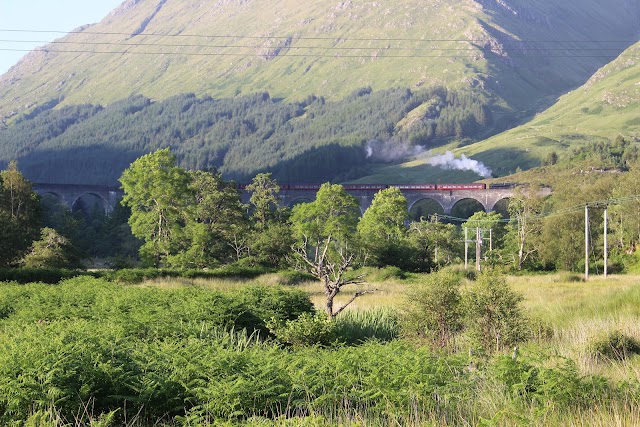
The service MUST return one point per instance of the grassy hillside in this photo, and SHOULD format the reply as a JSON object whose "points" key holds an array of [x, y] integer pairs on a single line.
{"points": [[515, 50], [603, 108]]}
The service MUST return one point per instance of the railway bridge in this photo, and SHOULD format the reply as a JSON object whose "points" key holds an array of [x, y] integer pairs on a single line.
{"points": [[447, 199], [290, 195], [70, 194]]}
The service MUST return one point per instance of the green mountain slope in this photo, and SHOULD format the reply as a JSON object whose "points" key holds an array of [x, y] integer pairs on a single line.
{"points": [[514, 50], [606, 106]]}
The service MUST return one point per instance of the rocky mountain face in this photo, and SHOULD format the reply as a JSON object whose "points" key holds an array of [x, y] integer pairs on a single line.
{"points": [[252, 85], [516, 51]]}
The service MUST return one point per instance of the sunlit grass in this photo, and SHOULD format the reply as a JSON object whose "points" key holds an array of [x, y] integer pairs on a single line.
{"points": [[576, 312]]}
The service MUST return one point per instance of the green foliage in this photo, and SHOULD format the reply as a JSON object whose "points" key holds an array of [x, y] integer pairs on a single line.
{"points": [[556, 386], [619, 154], [524, 232], [432, 244], [333, 214], [310, 141], [613, 346], [51, 251], [384, 274], [433, 309], [90, 348], [42, 275], [138, 275], [324, 232], [214, 219], [157, 192], [563, 235], [271, 246], [264, 199], [382, 230], [306, 330], [358, 326], [494, 316], [19, 215]]}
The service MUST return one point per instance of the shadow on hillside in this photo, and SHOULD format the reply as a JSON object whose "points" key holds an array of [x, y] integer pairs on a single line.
{"points": [[95, 165], [331, 162]]}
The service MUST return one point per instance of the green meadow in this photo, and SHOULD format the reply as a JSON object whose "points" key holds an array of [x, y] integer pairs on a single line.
{"points": [[203, 352]]}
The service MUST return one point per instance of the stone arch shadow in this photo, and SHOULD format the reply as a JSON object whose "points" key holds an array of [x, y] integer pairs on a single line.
{"points": [[502, 207], [466, 207], [425, 208], [54, 197], [97, 196]]}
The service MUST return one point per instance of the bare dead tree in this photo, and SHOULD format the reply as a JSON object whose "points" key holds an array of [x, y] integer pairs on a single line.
{"points": [[329, 265]]}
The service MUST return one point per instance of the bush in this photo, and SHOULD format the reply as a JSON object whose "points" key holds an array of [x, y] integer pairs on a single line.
{"points": [[383, 274], [43, 275], [433, 310], [307, 330], [139, 275], [494, 317], [613, 346], [549, 384], [293, 277]]}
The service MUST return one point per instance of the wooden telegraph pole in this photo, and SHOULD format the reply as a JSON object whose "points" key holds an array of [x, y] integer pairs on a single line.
{"points": [[606, 246], [586, 242], [466, 248], [478, 247]]}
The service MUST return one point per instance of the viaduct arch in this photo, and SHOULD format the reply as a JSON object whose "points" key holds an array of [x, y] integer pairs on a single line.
{"points": [[69, 194]]}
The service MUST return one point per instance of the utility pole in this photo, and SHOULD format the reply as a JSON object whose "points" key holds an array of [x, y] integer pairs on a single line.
{"points": [[491, 240], [606, 246], [478, 247], [586, 242], [466, 248]]}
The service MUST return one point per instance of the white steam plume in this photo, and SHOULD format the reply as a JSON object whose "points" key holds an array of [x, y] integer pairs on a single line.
{"points": [[448, 161], [389, 151]]}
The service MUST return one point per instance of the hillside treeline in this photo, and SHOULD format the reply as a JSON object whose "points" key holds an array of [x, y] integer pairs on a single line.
{"points": [[311, 141], [190, 219]]}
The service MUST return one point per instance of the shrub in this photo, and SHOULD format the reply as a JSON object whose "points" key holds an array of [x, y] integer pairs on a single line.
{"points": [[613, 346], [308, 329], [44, 275], [552, 384], [433, 310], [384, 274], [293, 277], [273, 302], [494, 317]]}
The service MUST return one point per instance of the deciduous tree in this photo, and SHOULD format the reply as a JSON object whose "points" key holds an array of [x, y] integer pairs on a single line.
{"points": [[325, 230], [525, 228], [382, 227], [158, 193], [19, 215]]}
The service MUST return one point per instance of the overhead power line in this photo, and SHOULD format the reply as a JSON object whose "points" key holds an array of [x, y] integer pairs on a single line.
{"points": [[284, 37], [257, 46], [315, 55], [395, 48]]}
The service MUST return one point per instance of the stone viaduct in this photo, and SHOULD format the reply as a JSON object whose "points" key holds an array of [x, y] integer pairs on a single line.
{"points": [[447, 199], [71, 193]]}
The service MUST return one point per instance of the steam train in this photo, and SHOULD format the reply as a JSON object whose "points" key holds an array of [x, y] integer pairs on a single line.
{"points": [[406, 187]]}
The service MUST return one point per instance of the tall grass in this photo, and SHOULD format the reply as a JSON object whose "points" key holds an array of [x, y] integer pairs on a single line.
{"points": [[74, 353]]}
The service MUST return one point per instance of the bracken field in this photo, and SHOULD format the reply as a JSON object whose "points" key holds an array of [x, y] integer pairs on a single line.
{"points": [[202, 352]]}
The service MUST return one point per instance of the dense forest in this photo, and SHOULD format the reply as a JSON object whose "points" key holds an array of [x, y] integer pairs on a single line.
{"points": [[311, 141]]}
